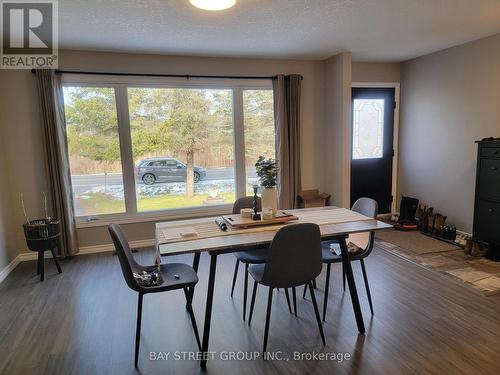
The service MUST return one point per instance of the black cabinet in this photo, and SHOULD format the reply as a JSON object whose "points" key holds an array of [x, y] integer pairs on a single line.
{"points": [[487, 201]]}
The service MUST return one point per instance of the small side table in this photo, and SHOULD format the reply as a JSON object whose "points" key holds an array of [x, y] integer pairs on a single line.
{"points": [[41, 236]]}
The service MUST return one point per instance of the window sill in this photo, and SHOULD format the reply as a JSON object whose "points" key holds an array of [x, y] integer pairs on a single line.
{"points": [[146, 217]]}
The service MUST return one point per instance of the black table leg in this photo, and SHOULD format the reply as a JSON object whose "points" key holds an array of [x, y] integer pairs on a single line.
{"points": [[352, 286], [208, 309], [196, 263]]}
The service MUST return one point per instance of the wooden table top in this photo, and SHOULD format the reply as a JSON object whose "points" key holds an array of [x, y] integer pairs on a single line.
{"points": [[254, 239]]}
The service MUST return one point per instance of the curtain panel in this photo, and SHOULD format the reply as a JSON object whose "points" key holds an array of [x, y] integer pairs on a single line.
{"points": [[56, 158], [287, 123]]}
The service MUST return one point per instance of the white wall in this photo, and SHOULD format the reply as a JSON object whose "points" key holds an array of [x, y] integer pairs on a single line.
{"points": [[7, 251], [21, 149], [337, 131], [449, 99], [376, 72]]}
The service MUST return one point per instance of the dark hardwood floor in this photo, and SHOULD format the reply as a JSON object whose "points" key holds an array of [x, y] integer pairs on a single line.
{"points": [[83, 321]]}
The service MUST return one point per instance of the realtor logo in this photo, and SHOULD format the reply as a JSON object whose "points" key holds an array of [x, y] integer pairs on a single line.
{"points": [[29, 34]]}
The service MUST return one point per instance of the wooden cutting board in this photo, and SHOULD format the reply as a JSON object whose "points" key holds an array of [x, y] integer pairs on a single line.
{"points": [[241, 222]]}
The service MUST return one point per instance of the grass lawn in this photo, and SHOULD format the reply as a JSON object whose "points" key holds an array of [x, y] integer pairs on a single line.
{"points": [[99, 204]]}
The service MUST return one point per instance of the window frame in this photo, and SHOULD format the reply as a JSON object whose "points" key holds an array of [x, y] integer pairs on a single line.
{"points": [[121, 85]]}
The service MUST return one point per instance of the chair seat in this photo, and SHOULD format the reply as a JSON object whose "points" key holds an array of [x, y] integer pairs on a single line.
{"points": [[187, 277], [257, 271], [252, 257], [329, 256]]}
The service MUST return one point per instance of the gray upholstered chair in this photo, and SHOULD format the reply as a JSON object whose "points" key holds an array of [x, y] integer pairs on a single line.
{"points": [[175, 276], [367, 207], [246, 257], [252, 257], [294, 259]]}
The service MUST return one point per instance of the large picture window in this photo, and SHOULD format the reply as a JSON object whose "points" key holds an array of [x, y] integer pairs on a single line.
{"points": [[146, 147]]}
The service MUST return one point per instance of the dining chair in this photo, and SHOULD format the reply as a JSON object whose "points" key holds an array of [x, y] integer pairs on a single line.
{"points": [[175, 276], [253, 257], [367, 207], [294, 259], [246, 257]]}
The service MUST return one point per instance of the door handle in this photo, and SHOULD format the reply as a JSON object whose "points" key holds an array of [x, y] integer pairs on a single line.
{"points": [[494, 168], [491, 210], [495, 152]]}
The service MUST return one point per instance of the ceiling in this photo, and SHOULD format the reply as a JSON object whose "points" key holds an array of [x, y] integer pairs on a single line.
{"points": [[373, 30]]}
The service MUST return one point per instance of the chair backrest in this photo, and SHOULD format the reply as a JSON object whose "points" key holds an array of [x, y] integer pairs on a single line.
{"points": [[127, 261], [294, 256], [246, 202], [367, 207]]}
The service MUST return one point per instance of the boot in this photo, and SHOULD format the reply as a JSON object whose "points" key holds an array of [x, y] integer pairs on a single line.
{"points": [[429, 216], [422, 208], [438, 224]]}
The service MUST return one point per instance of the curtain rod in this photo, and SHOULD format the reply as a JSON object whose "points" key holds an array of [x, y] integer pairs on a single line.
{"points": [[186, 76]]}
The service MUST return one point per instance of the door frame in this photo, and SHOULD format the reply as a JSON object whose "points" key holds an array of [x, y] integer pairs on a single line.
{"points": [[395, 144]]}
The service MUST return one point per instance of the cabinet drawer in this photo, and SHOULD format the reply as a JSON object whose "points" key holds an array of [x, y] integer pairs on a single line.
{"points": [[489, 179], [490, 152], [487, 226]]}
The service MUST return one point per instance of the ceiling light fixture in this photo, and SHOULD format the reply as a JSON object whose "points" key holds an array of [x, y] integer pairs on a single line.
{"points": [[213, 4]]}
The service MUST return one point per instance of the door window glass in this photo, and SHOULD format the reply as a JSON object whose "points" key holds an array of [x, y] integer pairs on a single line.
{"points": [[368, 128]]}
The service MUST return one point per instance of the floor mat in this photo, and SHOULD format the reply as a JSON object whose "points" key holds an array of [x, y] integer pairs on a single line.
{"points": [[414, 241], [481, 274]]}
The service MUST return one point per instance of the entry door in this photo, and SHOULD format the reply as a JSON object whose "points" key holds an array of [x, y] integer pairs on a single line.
{"points": [[372, 145]]}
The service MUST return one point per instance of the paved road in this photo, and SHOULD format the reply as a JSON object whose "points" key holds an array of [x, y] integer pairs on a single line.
{"points": [[86, 182]]}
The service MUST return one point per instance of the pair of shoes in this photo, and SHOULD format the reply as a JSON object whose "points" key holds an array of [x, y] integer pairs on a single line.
{"points": [[438, 224], [449, 232]]}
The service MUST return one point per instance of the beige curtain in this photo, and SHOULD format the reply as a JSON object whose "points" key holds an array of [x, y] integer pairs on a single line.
{"points": [[287, 123], [56, 157]]}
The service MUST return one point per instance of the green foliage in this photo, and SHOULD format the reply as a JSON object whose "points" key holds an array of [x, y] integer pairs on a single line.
{"points": [[92, 125], [187, 128], [267, 170], [259, 124], [167, 122]]}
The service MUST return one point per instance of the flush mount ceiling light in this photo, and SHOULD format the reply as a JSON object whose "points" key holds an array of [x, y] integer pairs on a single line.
{"points": [[213, 4]]}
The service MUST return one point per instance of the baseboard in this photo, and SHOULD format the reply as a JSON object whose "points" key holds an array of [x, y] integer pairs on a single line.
{"points": [[465, 234], [10, 267], [110, 247], [32, 255]]}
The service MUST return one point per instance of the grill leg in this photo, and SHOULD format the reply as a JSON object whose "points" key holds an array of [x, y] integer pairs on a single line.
{"points": [[41, 260], [55, 260], [38, 264]]}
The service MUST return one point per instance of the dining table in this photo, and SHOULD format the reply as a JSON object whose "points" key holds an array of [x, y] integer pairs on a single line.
{"points": [[204, 235]]}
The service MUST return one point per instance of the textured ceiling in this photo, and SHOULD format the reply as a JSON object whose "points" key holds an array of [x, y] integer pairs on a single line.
{"points": [[373, 30]]}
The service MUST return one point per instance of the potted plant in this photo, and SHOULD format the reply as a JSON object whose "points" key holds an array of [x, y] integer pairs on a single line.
{"points": [[267, 170]]}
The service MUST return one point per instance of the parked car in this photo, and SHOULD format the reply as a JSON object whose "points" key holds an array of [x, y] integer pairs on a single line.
{"points": [[154, 170]]}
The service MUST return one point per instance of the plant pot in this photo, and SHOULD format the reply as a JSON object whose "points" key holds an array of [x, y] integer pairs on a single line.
{"points": [[269, 199]]}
